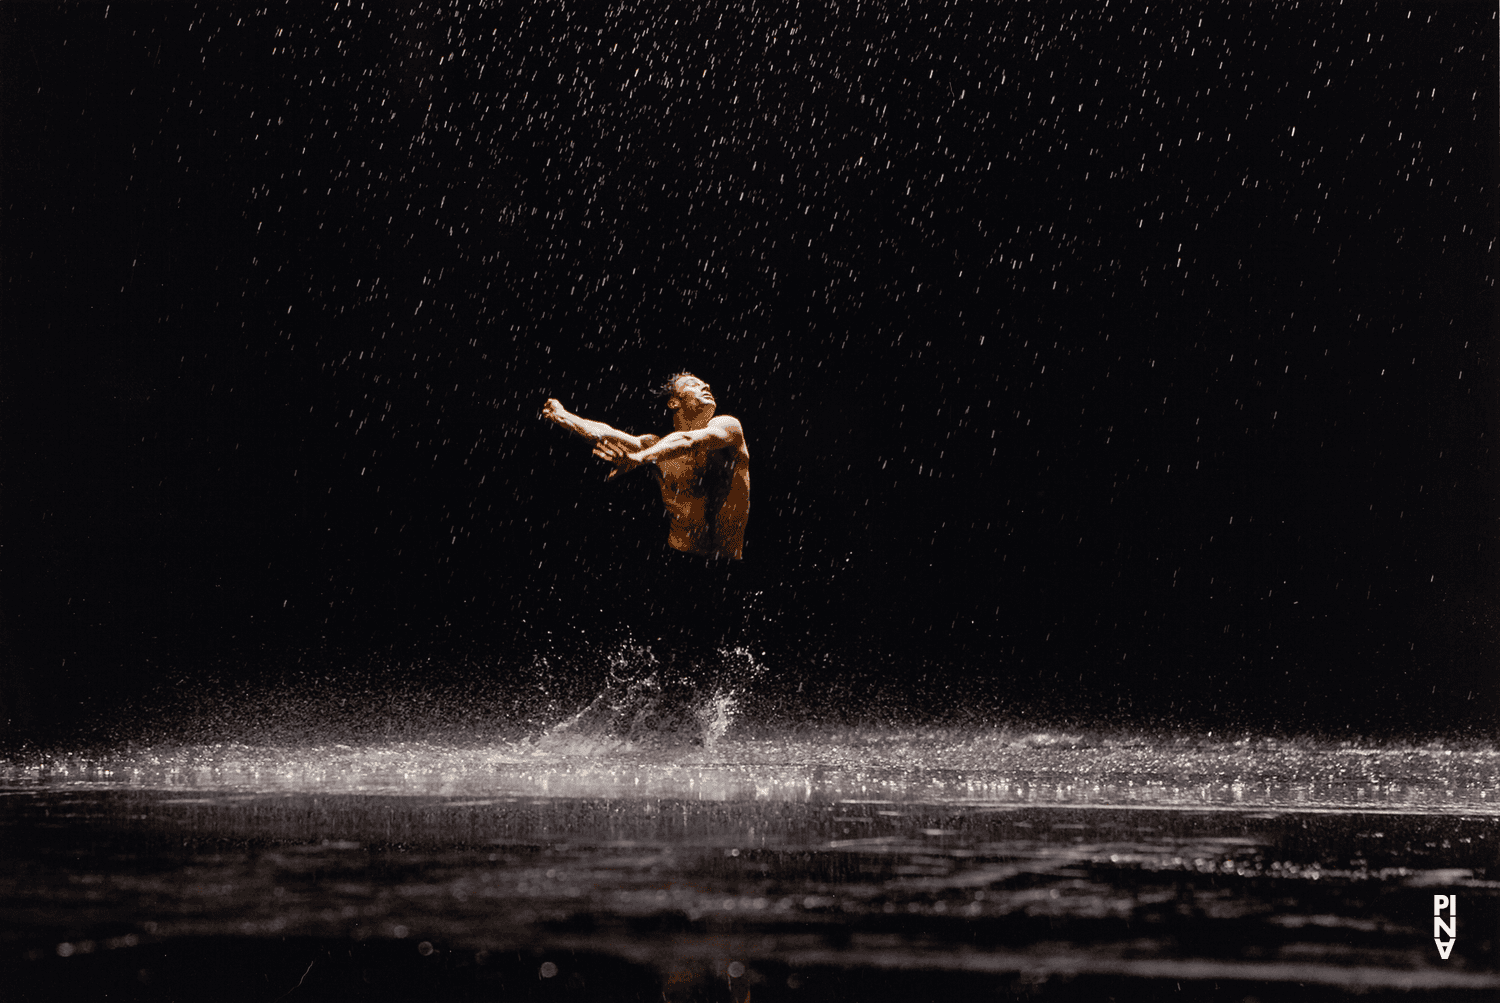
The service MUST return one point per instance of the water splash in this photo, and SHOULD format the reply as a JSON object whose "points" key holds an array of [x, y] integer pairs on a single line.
{"points": [[714, 718], [741, 670], [653, 702], [995, 766]]}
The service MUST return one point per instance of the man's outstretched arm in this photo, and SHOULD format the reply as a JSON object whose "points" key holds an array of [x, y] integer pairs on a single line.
{"points": [[720, 432], [594, 431]]}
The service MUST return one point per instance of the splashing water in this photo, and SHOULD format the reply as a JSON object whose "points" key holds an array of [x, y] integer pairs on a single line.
{"points": [[718, 712], [991, 766], [715, 717], [646, 703]]}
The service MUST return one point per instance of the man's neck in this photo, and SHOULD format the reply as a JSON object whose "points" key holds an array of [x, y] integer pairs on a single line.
{"points": [[684, 423]]}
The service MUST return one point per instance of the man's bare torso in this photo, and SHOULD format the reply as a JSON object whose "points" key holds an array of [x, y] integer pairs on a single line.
{"points": [[707, 497]]}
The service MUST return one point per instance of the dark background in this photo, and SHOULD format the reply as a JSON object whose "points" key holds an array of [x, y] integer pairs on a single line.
{"points": [[1123, 367]]}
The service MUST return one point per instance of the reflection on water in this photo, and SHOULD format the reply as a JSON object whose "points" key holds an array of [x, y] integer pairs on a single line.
{"points": [[932, 766], [792, 866]]}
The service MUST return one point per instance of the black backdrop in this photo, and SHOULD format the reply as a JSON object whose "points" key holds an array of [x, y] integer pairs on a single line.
{"points": [[1130, 365]]}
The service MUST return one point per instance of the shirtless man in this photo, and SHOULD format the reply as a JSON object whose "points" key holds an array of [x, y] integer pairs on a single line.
{"points": [[702, 467], [703, 470]]}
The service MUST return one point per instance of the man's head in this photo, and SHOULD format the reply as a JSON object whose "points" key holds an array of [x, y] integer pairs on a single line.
{"points": [[688, 393]]}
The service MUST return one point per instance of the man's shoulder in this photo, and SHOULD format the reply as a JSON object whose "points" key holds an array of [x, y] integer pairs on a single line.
{"points": [[729, 426]]}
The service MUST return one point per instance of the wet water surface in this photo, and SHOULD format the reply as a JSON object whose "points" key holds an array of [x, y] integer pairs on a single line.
{"points": [[832, 865]]}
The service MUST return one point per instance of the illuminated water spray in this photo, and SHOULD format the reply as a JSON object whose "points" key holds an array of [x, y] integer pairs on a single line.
{"points": [[646, 701]]}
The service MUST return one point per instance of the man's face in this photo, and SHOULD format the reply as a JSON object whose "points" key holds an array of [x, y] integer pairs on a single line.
{"points": [[694, 394]]}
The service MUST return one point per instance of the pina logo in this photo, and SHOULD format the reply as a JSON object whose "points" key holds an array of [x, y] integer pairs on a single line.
{"points": [[1444, 927]]}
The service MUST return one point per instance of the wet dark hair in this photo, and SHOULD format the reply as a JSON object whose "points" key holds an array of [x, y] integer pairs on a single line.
{"points": [[668, 390]]}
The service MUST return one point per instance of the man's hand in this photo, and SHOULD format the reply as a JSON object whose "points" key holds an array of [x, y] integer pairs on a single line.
{"points": [[594, 431], [615, 453]]}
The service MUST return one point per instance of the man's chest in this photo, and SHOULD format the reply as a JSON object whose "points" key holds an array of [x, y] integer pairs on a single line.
{"points": [[684, 474], [701, 474]]}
